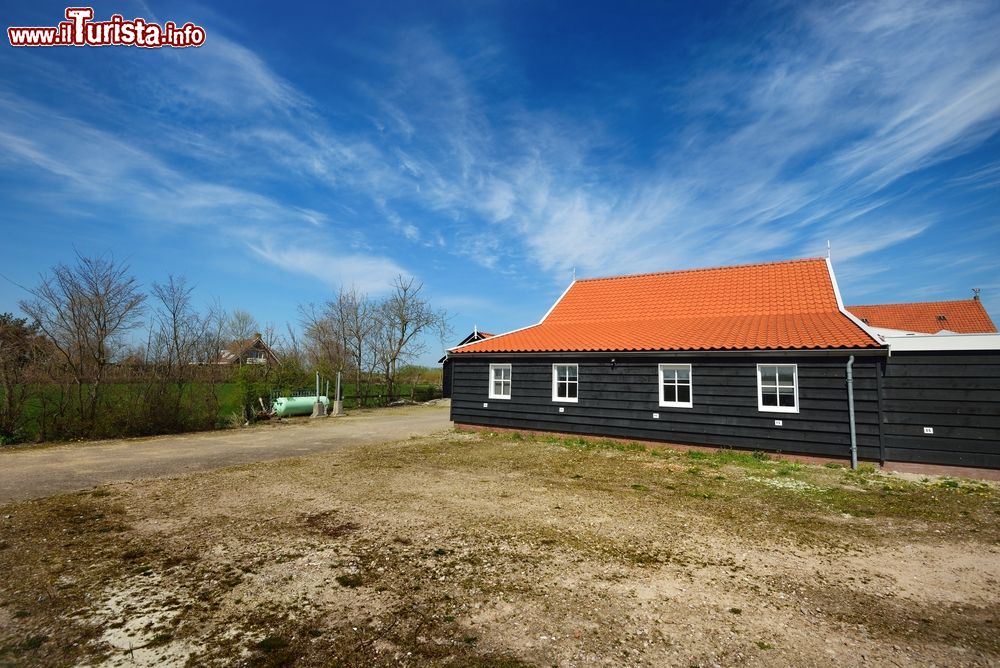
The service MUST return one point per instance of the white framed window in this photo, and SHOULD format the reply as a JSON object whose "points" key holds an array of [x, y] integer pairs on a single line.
{"points": [[565, 382], [675, 386], [500, 381], [778, 388]]}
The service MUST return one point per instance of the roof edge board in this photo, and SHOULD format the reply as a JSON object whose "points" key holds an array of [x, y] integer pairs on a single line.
{"points": [[850, 316], [521, 329], [754, 352]]}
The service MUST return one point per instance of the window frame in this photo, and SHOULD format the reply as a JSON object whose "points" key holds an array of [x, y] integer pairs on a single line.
{"points": [[556, 381], [795, 390], [509, 381], [690, 385]]}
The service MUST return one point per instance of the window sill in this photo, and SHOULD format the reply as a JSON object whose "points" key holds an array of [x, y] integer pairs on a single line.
{"points": [[777, 409]]}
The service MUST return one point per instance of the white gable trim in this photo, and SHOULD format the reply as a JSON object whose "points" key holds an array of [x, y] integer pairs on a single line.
{"points": [[850, 316], [521, 329]]}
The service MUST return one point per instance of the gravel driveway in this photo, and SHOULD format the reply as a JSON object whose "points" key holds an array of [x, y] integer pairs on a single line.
{"points": [[33, 473]]}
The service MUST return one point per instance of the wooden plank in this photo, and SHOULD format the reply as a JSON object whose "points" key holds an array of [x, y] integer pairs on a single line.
{"points": [[985, 460], [758, 431], [943, 431], [711, 440], [940, 443], [942, 383]]}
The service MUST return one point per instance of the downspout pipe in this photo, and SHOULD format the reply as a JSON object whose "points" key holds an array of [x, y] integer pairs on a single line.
{"points": [[850, 412]]}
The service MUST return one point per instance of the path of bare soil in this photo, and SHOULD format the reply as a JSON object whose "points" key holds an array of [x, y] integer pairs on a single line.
{"points": [[478, 550], [28, 473]]}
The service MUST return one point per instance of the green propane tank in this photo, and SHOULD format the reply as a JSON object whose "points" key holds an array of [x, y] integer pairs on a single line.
{"points": [[289, 406]]}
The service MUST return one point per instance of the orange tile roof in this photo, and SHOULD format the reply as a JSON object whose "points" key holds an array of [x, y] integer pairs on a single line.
{"points": [[964, 316], [776, 306]]}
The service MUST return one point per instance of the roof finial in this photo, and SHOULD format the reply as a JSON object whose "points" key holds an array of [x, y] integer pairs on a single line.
{"points": [[574, 274], [475, 330], [827, 249], [975, 294]]}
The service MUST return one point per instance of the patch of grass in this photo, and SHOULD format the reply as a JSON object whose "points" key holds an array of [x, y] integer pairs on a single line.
{"points": [[786, 468], [764, 645], [753, 460]]}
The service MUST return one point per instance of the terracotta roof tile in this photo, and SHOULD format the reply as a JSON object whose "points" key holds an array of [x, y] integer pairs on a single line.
{"points": [[965, 316], [776, 306]]}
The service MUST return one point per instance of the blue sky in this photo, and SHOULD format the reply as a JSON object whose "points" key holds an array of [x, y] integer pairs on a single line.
{"points": [[491, 148]]}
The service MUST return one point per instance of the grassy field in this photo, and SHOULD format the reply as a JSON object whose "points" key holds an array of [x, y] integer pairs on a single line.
{"points": [[485, 550]]}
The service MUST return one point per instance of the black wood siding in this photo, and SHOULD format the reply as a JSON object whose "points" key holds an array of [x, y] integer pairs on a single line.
{"points": [[955, 393], [620, 401], [446, 379]]}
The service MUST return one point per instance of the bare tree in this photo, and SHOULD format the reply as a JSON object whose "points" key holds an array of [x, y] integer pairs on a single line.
{"points": [[353, 333], [241, 325], [86, 311], [324, 344], [355, 319], [180, 329], [404, 316]]}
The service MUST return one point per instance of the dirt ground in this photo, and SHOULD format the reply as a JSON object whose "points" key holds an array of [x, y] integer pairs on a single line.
{"points": [[480, 550], [29, 472]]}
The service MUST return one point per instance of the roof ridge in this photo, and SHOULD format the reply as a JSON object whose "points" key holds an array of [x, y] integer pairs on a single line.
{"points": [[968, 300], [700, 269], [778, 314]]}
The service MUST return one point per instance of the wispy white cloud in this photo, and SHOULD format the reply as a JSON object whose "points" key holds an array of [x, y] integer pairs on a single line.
{"points": [[371, 275], [839, 106], [841, 103]]}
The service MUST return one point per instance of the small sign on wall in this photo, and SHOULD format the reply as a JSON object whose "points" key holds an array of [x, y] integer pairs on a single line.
{"points": [[778, 423], [929, 430]]}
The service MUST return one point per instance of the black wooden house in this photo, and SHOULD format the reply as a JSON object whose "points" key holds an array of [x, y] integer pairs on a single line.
{"points": [[753, 356]]}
